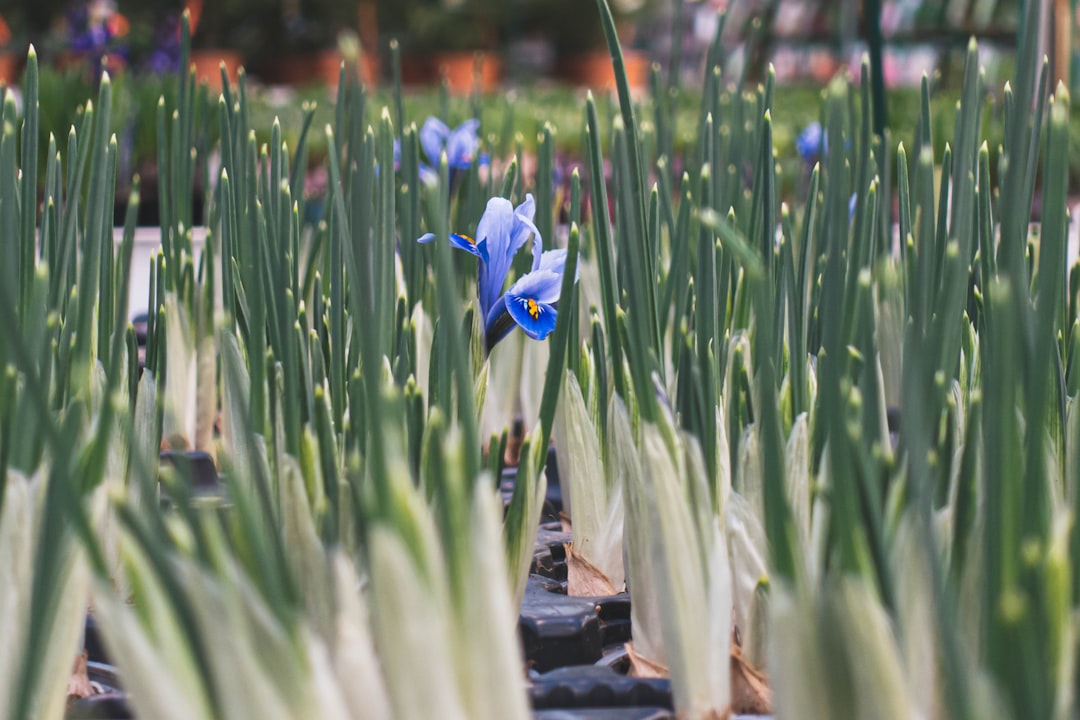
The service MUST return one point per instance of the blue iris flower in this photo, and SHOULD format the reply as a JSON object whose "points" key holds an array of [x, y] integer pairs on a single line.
{"points": [[530, 302], [461, 143], [812, 142], [462, 146]]}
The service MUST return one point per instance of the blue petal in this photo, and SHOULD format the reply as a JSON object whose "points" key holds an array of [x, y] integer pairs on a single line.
{"points": [[530, 303], [554, 260], [527, 208], [543, 286], [432, 138], [494, 230], [492, 316], [426, 238], [488, 286], [462, 144], [537, 319], [524, 227], [498, 324], [810, 141], [496, 224], [522, 230], [464, 242]]}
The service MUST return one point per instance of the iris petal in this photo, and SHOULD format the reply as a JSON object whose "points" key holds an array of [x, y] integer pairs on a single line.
{"points": [[498, 324], [495, 229], [433, 136], [527, 208], [496, 224], [426, 238], [554, 260], [523, 230], [482, 249], [462, 144], [487, 290], [543, 286], [464, 242], [537, 319], [524, 227]]}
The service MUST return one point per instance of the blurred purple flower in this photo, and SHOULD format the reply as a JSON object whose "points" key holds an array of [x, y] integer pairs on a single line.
{"points": [[97, 30], [165, 57]]}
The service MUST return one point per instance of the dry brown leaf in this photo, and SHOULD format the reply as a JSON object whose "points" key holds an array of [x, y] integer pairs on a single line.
{"points": [[583, 578], [175, 443], [512, 454], [750, 693], [641, 667], [79, 683]]}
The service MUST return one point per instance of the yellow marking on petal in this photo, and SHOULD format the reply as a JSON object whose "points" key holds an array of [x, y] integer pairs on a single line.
{"points": [[534, 310], [469, 239]]}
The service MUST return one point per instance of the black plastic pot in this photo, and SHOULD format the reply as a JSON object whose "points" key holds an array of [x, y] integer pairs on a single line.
{"points": [[553, 500], [893, 417], [140, 323], [597, 686], [93, 644], [616, 713], [549, 557], [197, 479], [196, 467], [549, 561], [595, 691], [109, 702], [558, 630], [604, 691], [575, 647]]}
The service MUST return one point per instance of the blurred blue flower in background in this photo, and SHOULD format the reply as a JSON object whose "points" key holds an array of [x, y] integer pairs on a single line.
{"points": [[461, 143], [812, 142]]}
